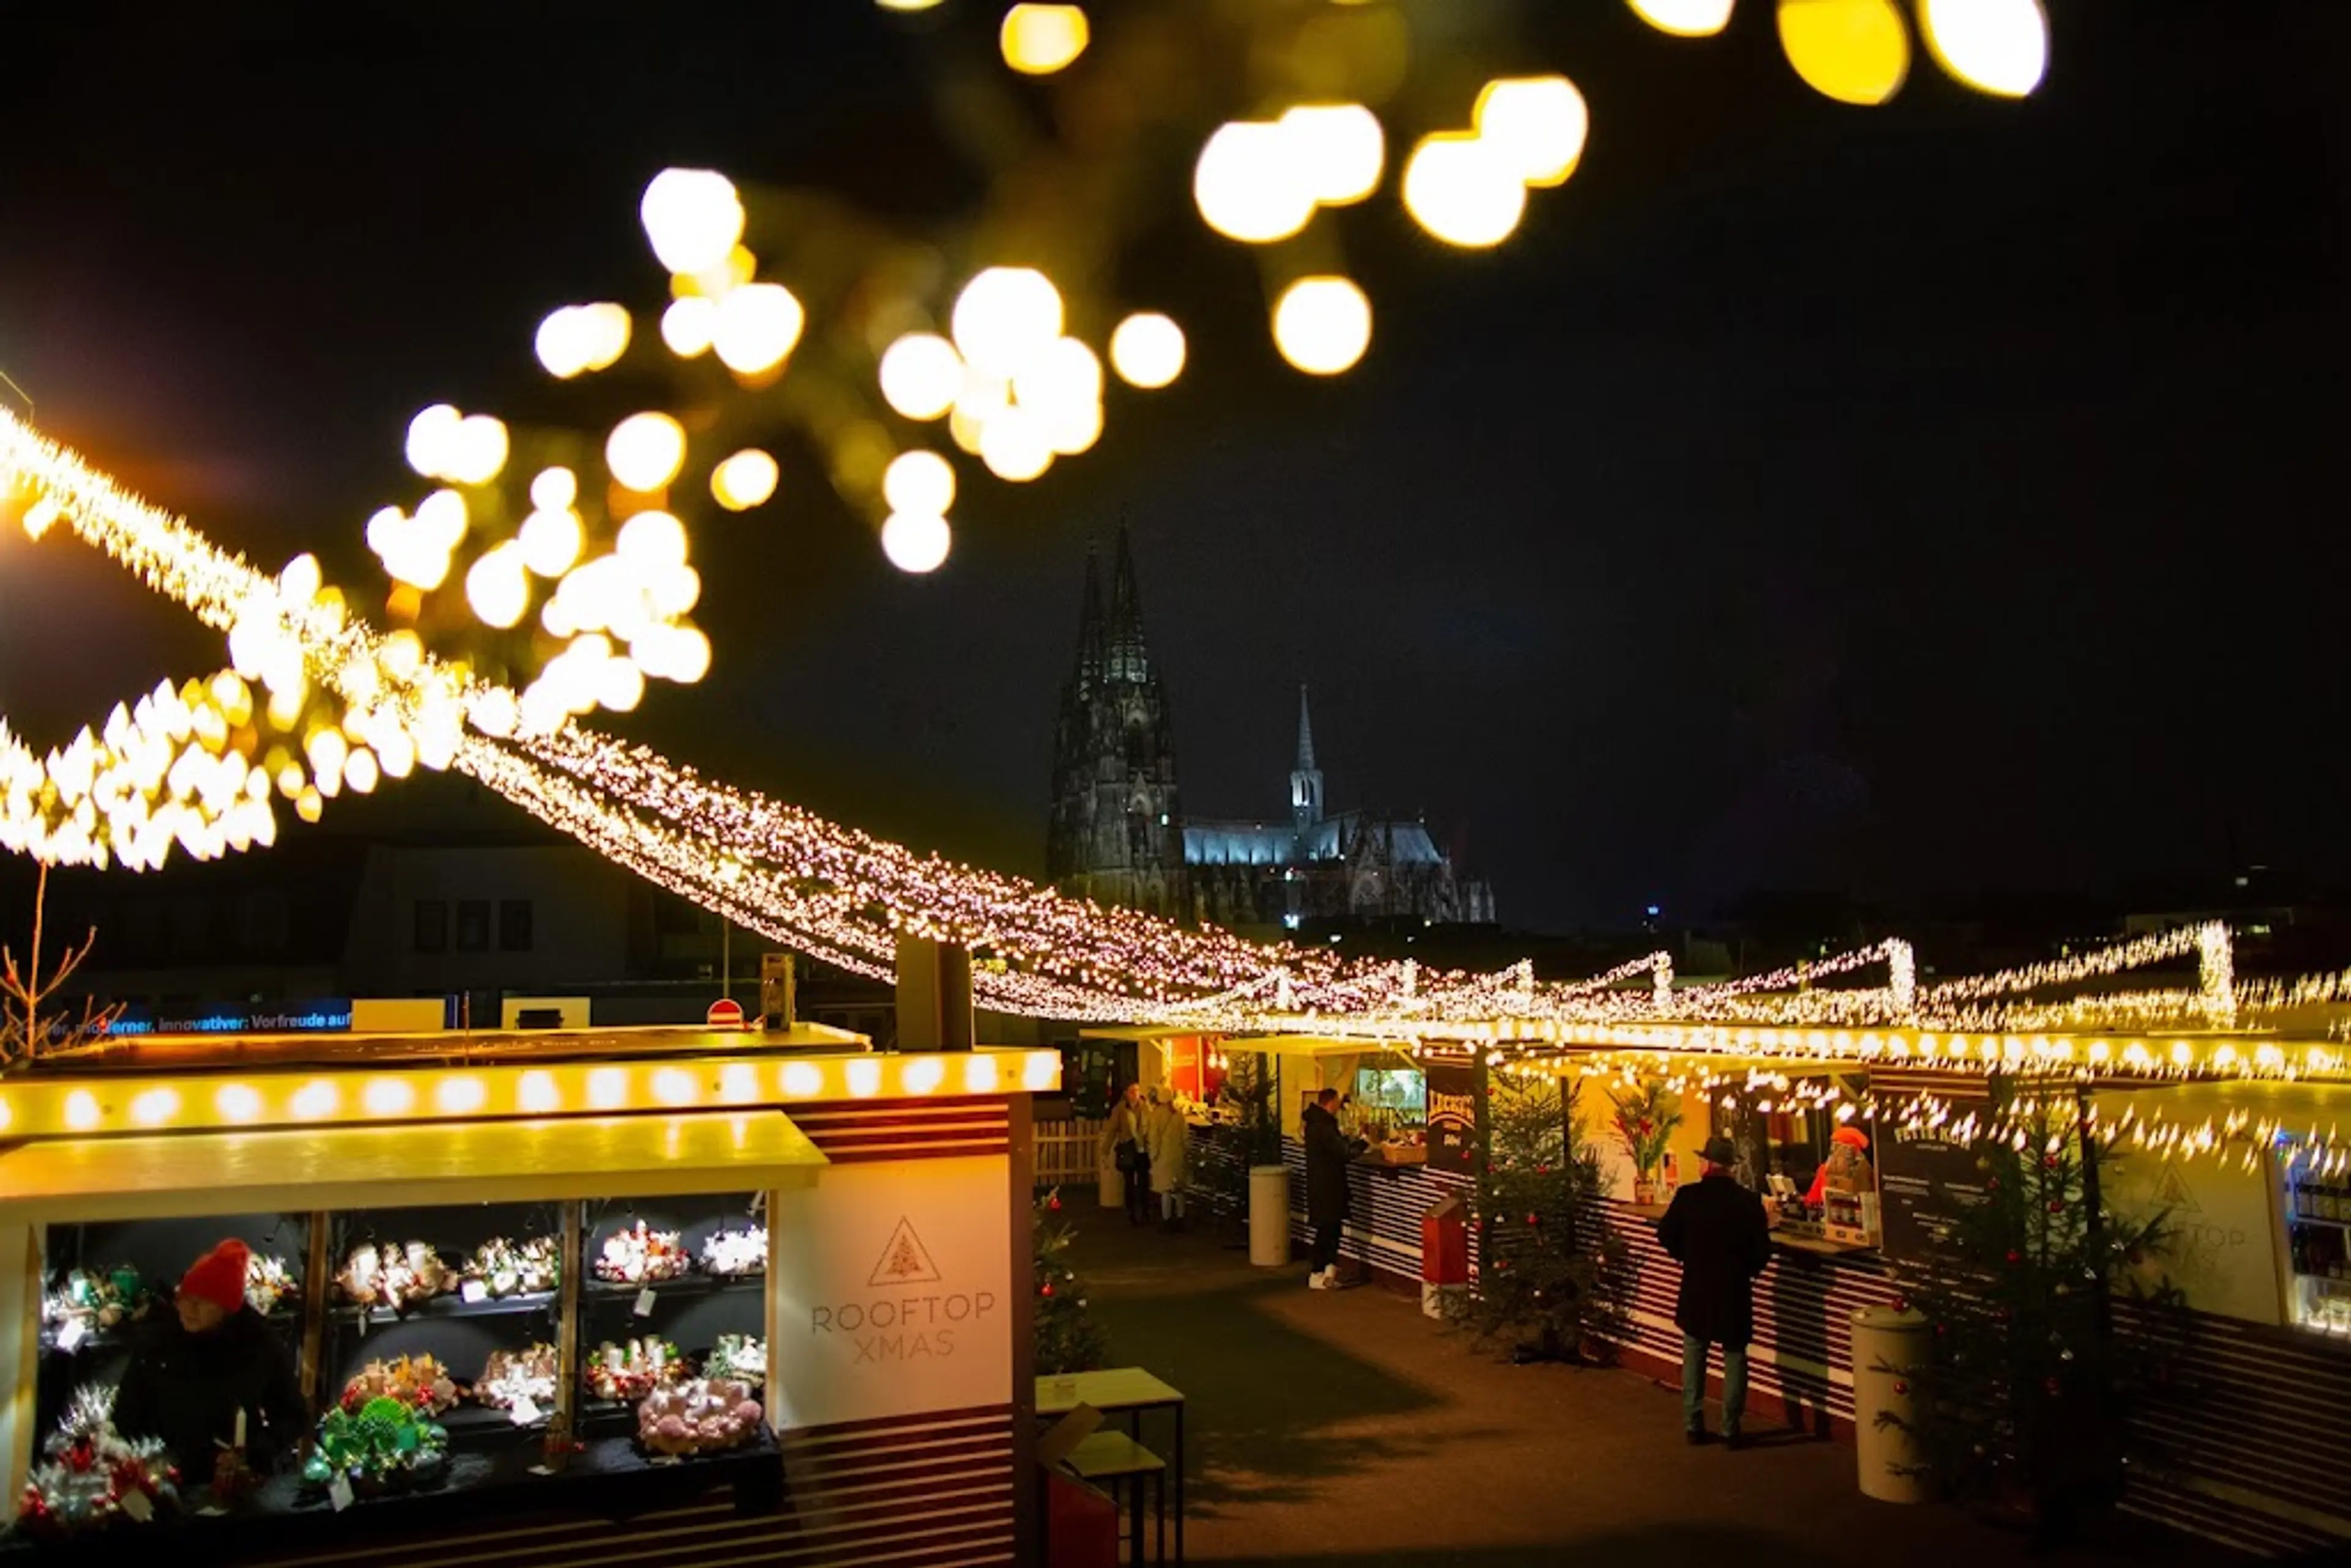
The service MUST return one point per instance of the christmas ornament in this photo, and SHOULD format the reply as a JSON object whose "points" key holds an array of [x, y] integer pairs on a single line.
{"points": [[419, 1382], [268, 1282], [633, 1370], [512, 1377], [733, 1254], [501, 1267], [742, 1358], [704, 1415], [93, 1473], [639, 1256], [398, 1278], [384, 1445]]}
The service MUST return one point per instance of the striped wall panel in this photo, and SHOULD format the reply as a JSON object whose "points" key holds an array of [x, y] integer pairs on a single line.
{"points": [[2245, 1446], [1386, 1204], [906, 1129], [925, 1491]]}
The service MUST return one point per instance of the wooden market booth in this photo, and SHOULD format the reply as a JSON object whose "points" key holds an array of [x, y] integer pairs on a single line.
{"points": [[892, 1309]]}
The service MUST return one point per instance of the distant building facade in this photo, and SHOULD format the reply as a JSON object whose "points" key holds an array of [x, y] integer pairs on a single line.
{"points": [[1117, 833]]}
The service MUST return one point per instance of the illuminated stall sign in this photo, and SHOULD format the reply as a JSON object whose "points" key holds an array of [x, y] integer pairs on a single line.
{"points": [[1452, 1117], [1925, 1185], [331, 1016]]}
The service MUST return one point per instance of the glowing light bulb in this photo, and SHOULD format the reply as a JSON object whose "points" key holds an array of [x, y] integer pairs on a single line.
{"points": [[1017, 446], [361, 772], [1323, 325], [694, 218], [1536, 125], [1004, 317], [1039, 40], [1339, 148], [653, 539], [577, 338], [1249, 184], [689, 325], [915, 542], [553, 489], [1854, 51], [923, 483], [1463, 191], [645, 450], [1147, 350], [756, 326], [921, 374], [41, 516], [550, 540], [497, 587], [430, 437], [1684, 18], [744, 480], [476, 450], [1998, 47]]}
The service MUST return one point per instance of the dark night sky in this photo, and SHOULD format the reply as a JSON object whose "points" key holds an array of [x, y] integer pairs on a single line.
{"points": [[1908, 501]]}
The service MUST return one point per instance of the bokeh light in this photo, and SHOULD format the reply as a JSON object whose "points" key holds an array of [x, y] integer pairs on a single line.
{"points": [[553, 489], [1323, 325], [1854, 51], [497, 589], [1147, 350], [919, 482], [689, 324], [1004, 317], [915, 541], [1339, 149], [577, 339], [1998, 47], [1039, 40], [1684, 18], [744, 480], [756, 326], [1463, 191], [1017, 446], [921, 375], [653, 539], [1535, 125], [694, 218], [551, 540], [1249, 185], [645, 450]]}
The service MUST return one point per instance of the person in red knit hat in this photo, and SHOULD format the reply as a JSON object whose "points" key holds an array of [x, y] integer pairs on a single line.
{"points": [[212, 1360]]}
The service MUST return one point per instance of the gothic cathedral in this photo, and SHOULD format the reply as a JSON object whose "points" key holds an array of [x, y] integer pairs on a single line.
{"points": [[1118, 834]]}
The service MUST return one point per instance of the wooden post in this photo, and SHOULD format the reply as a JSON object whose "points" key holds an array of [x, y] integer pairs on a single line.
{"points": [[316, 1280], [567, 1333], [20, 1350]]}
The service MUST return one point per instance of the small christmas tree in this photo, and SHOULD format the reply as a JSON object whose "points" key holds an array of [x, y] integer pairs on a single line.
{"points": [[1068, 1337], [1550, 1274], [94, 1476], [2025, 1395]]}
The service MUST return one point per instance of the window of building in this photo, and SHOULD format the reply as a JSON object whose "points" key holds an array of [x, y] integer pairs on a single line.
{"points": [[474, 926], [431, 926], [513, 925]]}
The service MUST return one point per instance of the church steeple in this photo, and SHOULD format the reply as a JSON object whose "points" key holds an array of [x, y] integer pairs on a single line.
{"points": [[1090, 623], [1124, 656], [1305, 779]]}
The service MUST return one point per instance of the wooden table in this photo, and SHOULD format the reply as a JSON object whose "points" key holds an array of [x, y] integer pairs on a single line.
{"points": [[1129, 1391]]}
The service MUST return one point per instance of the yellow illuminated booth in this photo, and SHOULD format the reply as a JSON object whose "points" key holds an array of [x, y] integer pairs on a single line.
{"points": [[886, 1315]]}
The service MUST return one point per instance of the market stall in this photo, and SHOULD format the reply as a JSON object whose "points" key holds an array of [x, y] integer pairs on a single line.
{"points": [[516, 1287]]}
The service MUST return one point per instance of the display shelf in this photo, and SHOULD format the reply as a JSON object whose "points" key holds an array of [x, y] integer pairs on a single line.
{"points": [[688, 1287], [104, 1340], [451, 1305]]}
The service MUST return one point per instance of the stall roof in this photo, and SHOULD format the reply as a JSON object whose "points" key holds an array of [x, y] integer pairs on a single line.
{"points": [[1144, 1032], [209, 1052], [1317, 1045], [192, 1174]]}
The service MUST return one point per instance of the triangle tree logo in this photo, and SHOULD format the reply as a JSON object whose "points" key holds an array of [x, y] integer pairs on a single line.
{"points": [[904, 1260], [2172, 1192]]}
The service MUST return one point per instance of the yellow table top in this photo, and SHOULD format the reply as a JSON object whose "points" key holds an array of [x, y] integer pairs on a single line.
{"points": [[1114, 1388]]}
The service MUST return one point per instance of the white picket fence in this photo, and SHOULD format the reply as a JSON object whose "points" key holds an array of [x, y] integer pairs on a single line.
{"points": [[1069, 1154]]}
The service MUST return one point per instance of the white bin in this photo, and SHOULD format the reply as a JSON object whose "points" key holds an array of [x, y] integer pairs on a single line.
{"points": [[1269, 1216], [1884, 1342]]}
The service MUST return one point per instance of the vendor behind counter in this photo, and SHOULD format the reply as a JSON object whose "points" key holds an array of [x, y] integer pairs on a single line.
{"points": [[195, 1370]]}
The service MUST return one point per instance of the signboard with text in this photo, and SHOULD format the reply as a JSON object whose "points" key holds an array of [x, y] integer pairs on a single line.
{"points": [[1452, 1117], [894, 1291], [1924, 1184]]}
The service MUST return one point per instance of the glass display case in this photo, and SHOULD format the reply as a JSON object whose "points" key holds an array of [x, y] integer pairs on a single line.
{"points": [[2317, 1211]]}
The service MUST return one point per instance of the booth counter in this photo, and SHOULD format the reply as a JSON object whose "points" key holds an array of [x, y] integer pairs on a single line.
{"points": [[523, 1238]]}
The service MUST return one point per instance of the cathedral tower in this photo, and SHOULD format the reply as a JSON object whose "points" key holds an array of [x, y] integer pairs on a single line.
{"points": [[1116, 833], [1305, 779]]}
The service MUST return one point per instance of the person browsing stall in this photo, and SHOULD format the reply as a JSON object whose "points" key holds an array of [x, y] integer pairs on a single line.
{"points": [[1128, 1139], [1329, 1153], [213, 1366], [1171, 1152], [1718, 1231]]}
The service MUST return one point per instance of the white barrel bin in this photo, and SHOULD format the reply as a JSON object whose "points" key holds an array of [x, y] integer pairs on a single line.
{"points": [[1885, 1343], [1269, 1216], [1113, 1187]]}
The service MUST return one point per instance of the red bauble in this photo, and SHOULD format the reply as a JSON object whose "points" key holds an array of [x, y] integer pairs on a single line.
{"points": [[1046, 1288], [2014, 1258], [1901, 1389], [2050, 1387], [1900, 1305], [1054, 1203], [1993, 1183], [1534, 1219], [1543, 1170], [2056, 1205], [2049, 1161]]}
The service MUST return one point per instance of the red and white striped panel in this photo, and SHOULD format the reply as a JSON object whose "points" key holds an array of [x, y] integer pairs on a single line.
{"points": [[867, 1130]]}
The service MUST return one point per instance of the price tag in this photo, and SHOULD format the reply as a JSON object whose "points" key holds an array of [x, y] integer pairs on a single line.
{"points": [[474, 1293], [69, 1337], [136, 1505], [338, 1492], [525, 1410], [645, 1302]]}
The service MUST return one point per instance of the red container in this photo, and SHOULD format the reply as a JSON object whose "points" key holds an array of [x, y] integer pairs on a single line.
{"points": [[1445, 1244]]}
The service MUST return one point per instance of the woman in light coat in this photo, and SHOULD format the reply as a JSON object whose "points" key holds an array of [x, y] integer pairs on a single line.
{"points": [[1126, 1142], [1171, 1151]]}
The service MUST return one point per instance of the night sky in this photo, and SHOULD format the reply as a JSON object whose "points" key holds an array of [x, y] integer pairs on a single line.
{"points": [[1903, 502]]}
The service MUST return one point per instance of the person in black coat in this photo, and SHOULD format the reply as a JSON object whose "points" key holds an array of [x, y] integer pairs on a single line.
{"points": [[1329, 1152], [211, 1358], [1720, 1234]]}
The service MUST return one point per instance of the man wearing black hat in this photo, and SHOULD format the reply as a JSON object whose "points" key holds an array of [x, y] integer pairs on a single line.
{"points": [[1720, 1234]]}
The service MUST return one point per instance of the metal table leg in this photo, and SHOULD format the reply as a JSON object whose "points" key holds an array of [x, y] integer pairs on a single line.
{"points": [[1179, 1483]]}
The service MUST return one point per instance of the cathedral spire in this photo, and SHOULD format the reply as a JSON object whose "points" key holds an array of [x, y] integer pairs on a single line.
{"points": [[1125, 658], [1305, 779], [1090, 623]]}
